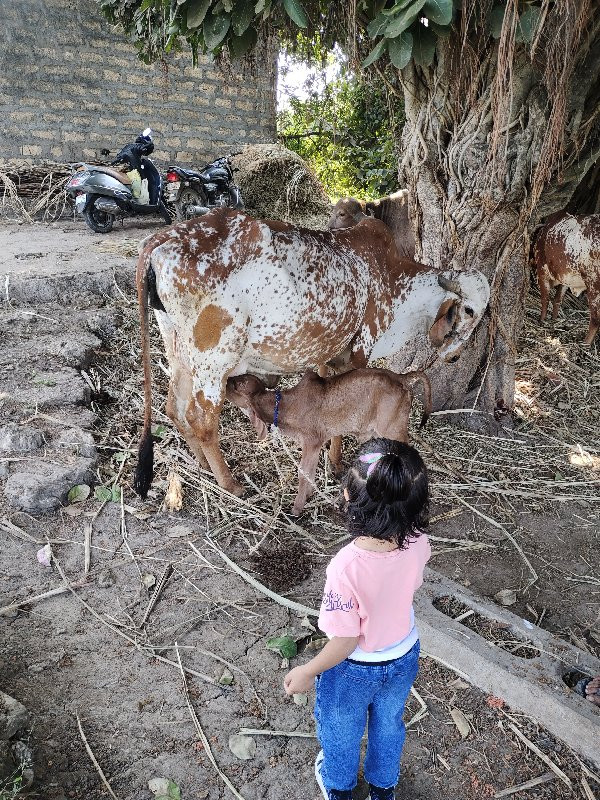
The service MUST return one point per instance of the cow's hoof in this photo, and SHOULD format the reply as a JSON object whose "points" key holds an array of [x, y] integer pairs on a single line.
{"points": [[235, 488], [297, 510]]}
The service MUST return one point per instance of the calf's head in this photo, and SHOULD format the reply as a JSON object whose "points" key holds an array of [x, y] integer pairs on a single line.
{"points": [[244, 391], [346, 213], [466, 297]]}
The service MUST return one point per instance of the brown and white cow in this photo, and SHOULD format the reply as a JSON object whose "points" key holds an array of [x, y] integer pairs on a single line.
{"points": [[566, 255], [235, 295], [392, 210]]}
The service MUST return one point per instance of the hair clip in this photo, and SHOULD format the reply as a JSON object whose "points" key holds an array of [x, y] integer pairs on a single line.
{"points": [[371, 459]]}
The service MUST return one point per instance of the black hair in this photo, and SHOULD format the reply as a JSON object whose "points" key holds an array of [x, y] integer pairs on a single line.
{"points": [[392, 502]]}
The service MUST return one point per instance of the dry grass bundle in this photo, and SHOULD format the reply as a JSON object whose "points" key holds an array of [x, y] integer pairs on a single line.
{"points": [[34, 190], [277, 184]]}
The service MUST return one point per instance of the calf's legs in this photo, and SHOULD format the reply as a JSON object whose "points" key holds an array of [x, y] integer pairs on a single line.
{"points": [[306, 474]]}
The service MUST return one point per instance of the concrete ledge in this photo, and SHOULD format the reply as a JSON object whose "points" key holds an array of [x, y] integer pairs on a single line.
{"points": [[533, 686]]}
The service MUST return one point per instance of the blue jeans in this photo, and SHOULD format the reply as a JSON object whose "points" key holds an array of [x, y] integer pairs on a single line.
{"points": [[347, 695]]}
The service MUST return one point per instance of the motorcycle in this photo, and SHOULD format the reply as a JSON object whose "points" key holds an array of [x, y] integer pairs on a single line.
{"points": [[102, 193], [192, 193]]}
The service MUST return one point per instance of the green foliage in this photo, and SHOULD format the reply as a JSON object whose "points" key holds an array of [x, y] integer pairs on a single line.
{"points": [[217, 26], [346, 136], [285, 646]]}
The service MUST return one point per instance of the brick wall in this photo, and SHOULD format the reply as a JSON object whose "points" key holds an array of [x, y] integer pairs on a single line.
{"points": [[71, 86]]}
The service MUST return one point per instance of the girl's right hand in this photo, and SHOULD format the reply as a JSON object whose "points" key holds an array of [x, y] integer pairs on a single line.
{"points": [[298, 680]]}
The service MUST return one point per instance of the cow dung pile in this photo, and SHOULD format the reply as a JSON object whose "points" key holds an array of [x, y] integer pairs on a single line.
{"points": [[278, 184]]}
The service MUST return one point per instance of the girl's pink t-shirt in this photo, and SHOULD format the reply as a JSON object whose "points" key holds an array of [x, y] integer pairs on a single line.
{"points": [[370, 595]]}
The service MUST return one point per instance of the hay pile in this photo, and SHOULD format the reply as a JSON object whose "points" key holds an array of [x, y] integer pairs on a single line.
{"points": [[33, 190], [277, 184]]}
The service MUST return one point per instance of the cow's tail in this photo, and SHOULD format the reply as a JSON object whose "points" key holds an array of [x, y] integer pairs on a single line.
{"points": [[144, 469], [420, 377]]}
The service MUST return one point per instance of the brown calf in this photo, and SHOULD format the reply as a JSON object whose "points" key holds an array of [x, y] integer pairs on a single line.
{"points": [[363, 402]]}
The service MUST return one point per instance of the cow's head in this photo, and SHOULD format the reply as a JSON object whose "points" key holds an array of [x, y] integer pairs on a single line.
{"points": [[346, 213], [466, 295], [243, 391]]}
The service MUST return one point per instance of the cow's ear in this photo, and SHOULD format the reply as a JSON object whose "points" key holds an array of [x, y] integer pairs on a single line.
{"points": [[444, 322], [259, 426]]}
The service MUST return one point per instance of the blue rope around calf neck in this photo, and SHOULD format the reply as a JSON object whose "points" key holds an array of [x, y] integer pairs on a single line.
{"points": [[276, 412]]}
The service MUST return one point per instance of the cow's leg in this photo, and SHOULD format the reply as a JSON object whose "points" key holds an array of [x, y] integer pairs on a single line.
{"points": [[306, 474], [180, 393], [558, 298], [202, 415], [544, 283]]}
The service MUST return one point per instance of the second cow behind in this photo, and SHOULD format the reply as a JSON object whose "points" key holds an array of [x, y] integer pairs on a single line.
{"points": [[362, 402]]}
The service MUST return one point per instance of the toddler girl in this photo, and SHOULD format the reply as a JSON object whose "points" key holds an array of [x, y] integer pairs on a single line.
{"points": [[366, 669]]}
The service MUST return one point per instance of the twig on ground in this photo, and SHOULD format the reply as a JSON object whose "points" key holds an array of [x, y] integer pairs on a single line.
{"points": [[542, 756], [93, 760], [547, 776], [200, 732], [162, 582], [267, 732], [37, 597], [586, 789]]}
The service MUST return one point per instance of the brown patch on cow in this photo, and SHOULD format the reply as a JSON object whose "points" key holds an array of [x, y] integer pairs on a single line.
{"points": [[209, 326]]}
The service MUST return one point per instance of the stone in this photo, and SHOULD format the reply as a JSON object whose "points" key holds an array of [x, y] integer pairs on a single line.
{"points": [[243, 747], [14, 717], [19, 438], [80, 442], [45, 486], [63, 387]]}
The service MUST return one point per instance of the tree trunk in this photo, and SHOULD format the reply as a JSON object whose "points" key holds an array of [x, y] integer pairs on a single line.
{"points": [[469, 211]]}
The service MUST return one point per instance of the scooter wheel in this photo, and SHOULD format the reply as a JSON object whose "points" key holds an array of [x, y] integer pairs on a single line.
{"points": [[99, 221]]}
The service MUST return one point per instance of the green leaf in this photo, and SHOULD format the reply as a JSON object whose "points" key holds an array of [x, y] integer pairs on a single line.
{"points": [[441, 31], [438, 11], [296, 12], [377, 26], [116, 494], [423, 45], [145, 6], [215, 30], [391, 12], [404, 20], [196, 11], [121, 456], [242, 16], [103, 493], [495, 20], [159, 430], [78, 493], [527, 24], [239, 45], [400, 49], [284, 645]]}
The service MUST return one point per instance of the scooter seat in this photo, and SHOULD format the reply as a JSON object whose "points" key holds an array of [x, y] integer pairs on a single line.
{"points": [[114, 173]]}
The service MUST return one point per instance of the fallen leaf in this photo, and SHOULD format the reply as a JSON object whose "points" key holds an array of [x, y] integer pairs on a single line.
{"points": [[44, 555], [506, 597], [148, 580], [461, 722], [244, 747], [174, 497], [102, 493], [78, 493], [284, 645], [300, 699], [306, 623], [226, 678], [164, 789]]}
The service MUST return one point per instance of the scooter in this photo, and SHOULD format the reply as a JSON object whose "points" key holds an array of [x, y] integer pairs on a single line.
{"points": [[102, 193], [195, 192]]}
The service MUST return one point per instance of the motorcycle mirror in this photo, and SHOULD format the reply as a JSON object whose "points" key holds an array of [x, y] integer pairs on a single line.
{"points": [[147, 132]]}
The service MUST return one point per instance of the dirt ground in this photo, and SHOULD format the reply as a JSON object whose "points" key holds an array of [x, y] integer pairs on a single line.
{"points": [[98, 652]]}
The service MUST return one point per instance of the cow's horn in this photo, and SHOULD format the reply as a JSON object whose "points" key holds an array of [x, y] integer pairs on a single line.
{"points": [[450, 285]]}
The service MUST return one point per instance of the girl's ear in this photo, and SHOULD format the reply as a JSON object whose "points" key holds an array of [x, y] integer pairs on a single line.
{"points": [[346, 495]]}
